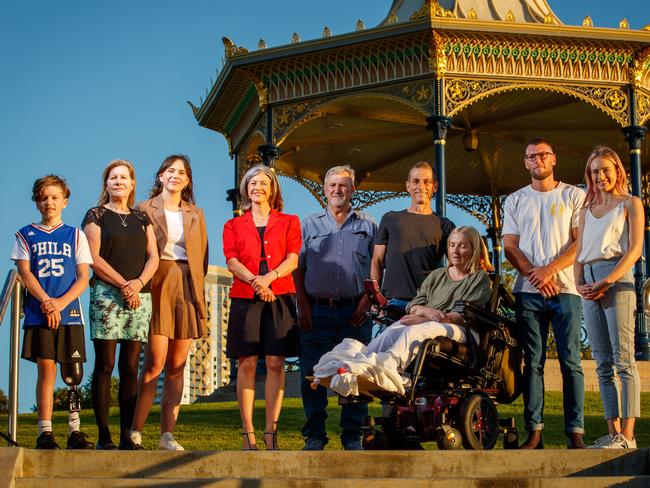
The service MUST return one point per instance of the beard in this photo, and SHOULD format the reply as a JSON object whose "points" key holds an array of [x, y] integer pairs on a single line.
{"points": [[541, 176]]}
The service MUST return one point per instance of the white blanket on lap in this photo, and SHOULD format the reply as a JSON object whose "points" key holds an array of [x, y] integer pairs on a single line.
{"points": [[352, 355]]}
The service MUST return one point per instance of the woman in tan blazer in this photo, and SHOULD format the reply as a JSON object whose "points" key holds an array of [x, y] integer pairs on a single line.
{"points": [[177, 290]]}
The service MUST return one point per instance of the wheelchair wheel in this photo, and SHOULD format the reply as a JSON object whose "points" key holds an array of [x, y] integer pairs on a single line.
{"points": [[374, 440], [478, 422], [449, 441], [511, 439]]}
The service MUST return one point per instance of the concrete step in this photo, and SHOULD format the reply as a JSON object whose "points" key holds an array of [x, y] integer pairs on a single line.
{"points": [[571, 482], [332, 465]]}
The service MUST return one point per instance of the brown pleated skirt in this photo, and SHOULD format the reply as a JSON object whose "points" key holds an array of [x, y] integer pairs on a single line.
{"points": [[174, 313]]}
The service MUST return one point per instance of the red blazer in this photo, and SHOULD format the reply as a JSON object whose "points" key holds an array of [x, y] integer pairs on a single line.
{"points": [[242, 241]]}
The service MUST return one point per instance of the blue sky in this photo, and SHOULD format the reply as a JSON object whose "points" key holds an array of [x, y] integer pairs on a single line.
{"points": [[87, 82]]}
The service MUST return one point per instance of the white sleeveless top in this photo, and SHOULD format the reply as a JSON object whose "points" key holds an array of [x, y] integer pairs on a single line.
{"points": [[606, 237]]}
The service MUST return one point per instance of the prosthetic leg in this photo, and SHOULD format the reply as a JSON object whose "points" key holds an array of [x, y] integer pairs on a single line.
{"points": [[72, 374]]}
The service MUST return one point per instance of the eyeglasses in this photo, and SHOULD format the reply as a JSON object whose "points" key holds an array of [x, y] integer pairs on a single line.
{"points": [[540, 155]]}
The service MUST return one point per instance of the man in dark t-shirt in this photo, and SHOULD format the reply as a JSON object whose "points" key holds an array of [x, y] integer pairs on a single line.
{"points": [[410, 243]]}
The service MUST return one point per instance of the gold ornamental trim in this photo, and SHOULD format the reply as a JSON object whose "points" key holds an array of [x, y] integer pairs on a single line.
{"points": [[612, 100], [430, 10]]}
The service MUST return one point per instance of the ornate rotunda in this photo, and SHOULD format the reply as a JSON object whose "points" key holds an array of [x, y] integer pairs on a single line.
{"points": [[461, 83]]}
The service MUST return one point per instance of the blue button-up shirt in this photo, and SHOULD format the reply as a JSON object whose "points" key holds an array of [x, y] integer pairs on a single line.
{"points": [[335, 260]]}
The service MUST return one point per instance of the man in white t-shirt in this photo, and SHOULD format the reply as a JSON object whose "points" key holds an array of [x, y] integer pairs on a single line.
{"points": [[539, 230]]}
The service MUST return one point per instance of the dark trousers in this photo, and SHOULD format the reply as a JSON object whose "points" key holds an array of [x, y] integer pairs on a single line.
{"points": [[330, 325]]}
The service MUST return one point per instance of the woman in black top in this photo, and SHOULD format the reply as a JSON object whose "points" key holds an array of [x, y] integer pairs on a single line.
{"points": [[125, 257]]}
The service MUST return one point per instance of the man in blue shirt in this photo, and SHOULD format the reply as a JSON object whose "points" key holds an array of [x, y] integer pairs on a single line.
{"points": [[334, 260]]}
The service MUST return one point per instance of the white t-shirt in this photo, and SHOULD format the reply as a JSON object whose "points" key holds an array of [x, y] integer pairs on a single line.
{"points": [[175, 246], [543, 222]]}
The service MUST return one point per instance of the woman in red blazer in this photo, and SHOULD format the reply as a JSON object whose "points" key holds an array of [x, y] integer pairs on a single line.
{"points": [[261, 249]]}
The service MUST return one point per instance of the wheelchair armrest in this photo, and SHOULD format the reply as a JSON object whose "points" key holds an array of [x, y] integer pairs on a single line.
{"points": [[374, 293], [476, 317]]}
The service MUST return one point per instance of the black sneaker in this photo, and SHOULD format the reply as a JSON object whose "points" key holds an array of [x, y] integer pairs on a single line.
{"points": [[46, 441], [129, 445], [108, 446], [79, 440]]}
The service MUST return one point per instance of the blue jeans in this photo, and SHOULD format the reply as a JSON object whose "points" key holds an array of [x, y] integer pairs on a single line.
{"points": [[534, 314], [330, 325], [610, 327]]}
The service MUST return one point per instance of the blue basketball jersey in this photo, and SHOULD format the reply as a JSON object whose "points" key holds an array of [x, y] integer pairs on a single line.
{"points": [[52, 260]]}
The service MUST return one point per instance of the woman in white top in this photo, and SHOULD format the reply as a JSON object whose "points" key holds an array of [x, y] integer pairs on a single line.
{"points": [[177, 291], [610, 241]]}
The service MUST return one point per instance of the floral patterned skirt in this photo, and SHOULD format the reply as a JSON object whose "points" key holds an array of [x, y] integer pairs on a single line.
{"points": [[110, 318]]}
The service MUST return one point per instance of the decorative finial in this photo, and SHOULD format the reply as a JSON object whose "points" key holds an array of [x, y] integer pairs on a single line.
{"points": [[261, 44], [295, 38], [231, 49], [587, 22], [327, 32], [510, 17], [549, 19], [360, 25], [193, 107], [471, 15], [624, 24], [392, 18]]}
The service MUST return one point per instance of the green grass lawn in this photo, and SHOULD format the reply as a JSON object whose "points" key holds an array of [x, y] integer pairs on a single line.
{"points": [[216, 426]]}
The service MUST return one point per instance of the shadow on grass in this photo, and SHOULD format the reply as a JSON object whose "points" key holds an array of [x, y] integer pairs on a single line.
{"points": [[217, 426]]}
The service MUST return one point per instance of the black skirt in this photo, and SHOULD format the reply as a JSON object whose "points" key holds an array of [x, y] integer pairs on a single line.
{"points": [[258, 328], [63, 345]]}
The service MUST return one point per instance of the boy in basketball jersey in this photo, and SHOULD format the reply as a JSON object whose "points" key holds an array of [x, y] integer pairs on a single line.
{"points": [[53, 261]]}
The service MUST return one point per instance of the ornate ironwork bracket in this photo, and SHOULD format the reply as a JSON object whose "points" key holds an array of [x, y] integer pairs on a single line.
{"points": [[439, 124]]}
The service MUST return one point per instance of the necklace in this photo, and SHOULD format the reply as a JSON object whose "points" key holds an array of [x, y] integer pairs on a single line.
{"points": [[122, 219]]}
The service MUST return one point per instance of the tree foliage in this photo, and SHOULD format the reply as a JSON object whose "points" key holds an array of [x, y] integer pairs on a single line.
{"points": [[4, 402]]}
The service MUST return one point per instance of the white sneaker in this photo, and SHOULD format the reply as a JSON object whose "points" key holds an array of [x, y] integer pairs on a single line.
{"points": [[601, 441], [136, 437], [168, 443], [619, 441]]}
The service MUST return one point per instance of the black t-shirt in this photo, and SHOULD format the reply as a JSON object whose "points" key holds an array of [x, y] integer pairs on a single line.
{"points": [[124, 247], [415, 245]]}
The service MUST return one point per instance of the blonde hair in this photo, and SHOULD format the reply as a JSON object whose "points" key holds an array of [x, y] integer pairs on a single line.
{"points": [[593, 195], [104, 198], [275, 199], [480, 257]]}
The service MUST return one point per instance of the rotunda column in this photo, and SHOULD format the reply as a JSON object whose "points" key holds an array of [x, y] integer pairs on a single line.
{"points": [[269, 152], [634, 135], [439, 123]]}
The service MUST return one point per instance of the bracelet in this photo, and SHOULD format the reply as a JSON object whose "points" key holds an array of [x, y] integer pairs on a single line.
{"points": [[141, 282], [276, 273]]}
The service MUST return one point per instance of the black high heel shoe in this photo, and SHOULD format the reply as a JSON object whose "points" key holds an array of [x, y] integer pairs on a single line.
{"points": [[251, 447], [274, 441]]}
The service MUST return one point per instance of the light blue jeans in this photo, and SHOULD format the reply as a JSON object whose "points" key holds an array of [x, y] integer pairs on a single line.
{"points": [[610, 326]]}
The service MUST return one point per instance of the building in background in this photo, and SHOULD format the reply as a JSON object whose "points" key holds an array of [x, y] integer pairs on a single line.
{"points": [[207, 366]]}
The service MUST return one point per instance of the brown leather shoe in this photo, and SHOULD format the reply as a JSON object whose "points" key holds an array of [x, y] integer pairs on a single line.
{"points": [[574, 441], [534, 441]]}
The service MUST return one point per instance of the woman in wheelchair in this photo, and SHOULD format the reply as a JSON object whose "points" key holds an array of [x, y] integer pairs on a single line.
{"points": [[429, 315]]}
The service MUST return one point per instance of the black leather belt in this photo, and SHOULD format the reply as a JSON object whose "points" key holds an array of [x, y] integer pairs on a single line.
{"points": [[333, 302]]}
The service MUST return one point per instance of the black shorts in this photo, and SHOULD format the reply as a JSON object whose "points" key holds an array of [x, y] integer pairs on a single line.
{"points": [[258, 328], [63, 345]]}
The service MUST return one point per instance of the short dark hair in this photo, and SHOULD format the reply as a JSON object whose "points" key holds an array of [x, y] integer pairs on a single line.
{"points": [[423, 164], [49, 180], [536, 141]]}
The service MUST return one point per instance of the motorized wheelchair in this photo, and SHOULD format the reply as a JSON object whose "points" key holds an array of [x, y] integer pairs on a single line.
{"points": [[455, 388]]}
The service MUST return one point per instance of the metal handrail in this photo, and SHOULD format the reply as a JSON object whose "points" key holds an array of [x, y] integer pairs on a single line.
{"points": [[12, 289]]}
